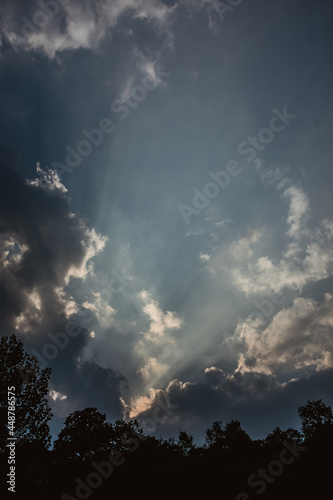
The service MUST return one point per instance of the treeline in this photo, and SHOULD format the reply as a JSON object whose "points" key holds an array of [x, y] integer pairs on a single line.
{"points": [[96, 459]]}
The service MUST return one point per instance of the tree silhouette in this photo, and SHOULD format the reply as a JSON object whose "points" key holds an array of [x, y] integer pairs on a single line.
{"points": [[85, 434], [20, 374], [231, 437], [32, 412], [277, 436], [234, 436], [185, 443], [214, 434], [315, 416], [126, 436]]}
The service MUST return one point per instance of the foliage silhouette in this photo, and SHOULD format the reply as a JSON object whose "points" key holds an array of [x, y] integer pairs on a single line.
{"points": [[19, 369], [315, 416], [96, 459], [86, 434], [32, 413], [185, 443]]}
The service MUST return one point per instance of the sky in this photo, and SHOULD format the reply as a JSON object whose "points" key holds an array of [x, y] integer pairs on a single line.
{"points": [[166, 219]]}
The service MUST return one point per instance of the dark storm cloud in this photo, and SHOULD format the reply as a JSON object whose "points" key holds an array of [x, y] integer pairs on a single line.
{"points": [[76, 384], [87, 384], [260, 402], [44, 244]]}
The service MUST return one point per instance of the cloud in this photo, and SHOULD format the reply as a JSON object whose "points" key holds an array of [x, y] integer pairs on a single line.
{"points": [[160, 323], [298, 338], [299, 208], [76, 25], [46, 246], [81, 24], [136, 339], [264, 276], [196, 404], [308, 256], [139, 404], [215, 375], [153, 369], [273, 174], [256, 399], [102, 310], [205, 257], [139, 68], [57, 395], [241, 249], [298, 212], [141, 9], [86, 384], [48, 179]]}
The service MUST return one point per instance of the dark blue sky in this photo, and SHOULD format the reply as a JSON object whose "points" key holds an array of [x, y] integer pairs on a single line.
{"points": [[180, 212]]}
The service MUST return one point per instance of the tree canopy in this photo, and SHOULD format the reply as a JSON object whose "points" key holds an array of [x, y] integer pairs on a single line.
{"points": [[315, 416], [32, 412]]}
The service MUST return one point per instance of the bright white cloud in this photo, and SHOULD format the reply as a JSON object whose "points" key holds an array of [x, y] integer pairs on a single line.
{"points": [[47, 179], [153, 369], [140, 404], [160, 322], [83, 24], [308, 256], [57, 395], [102, 309], [298, 337], [68, 303], [95, 243], [264, 276]]}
